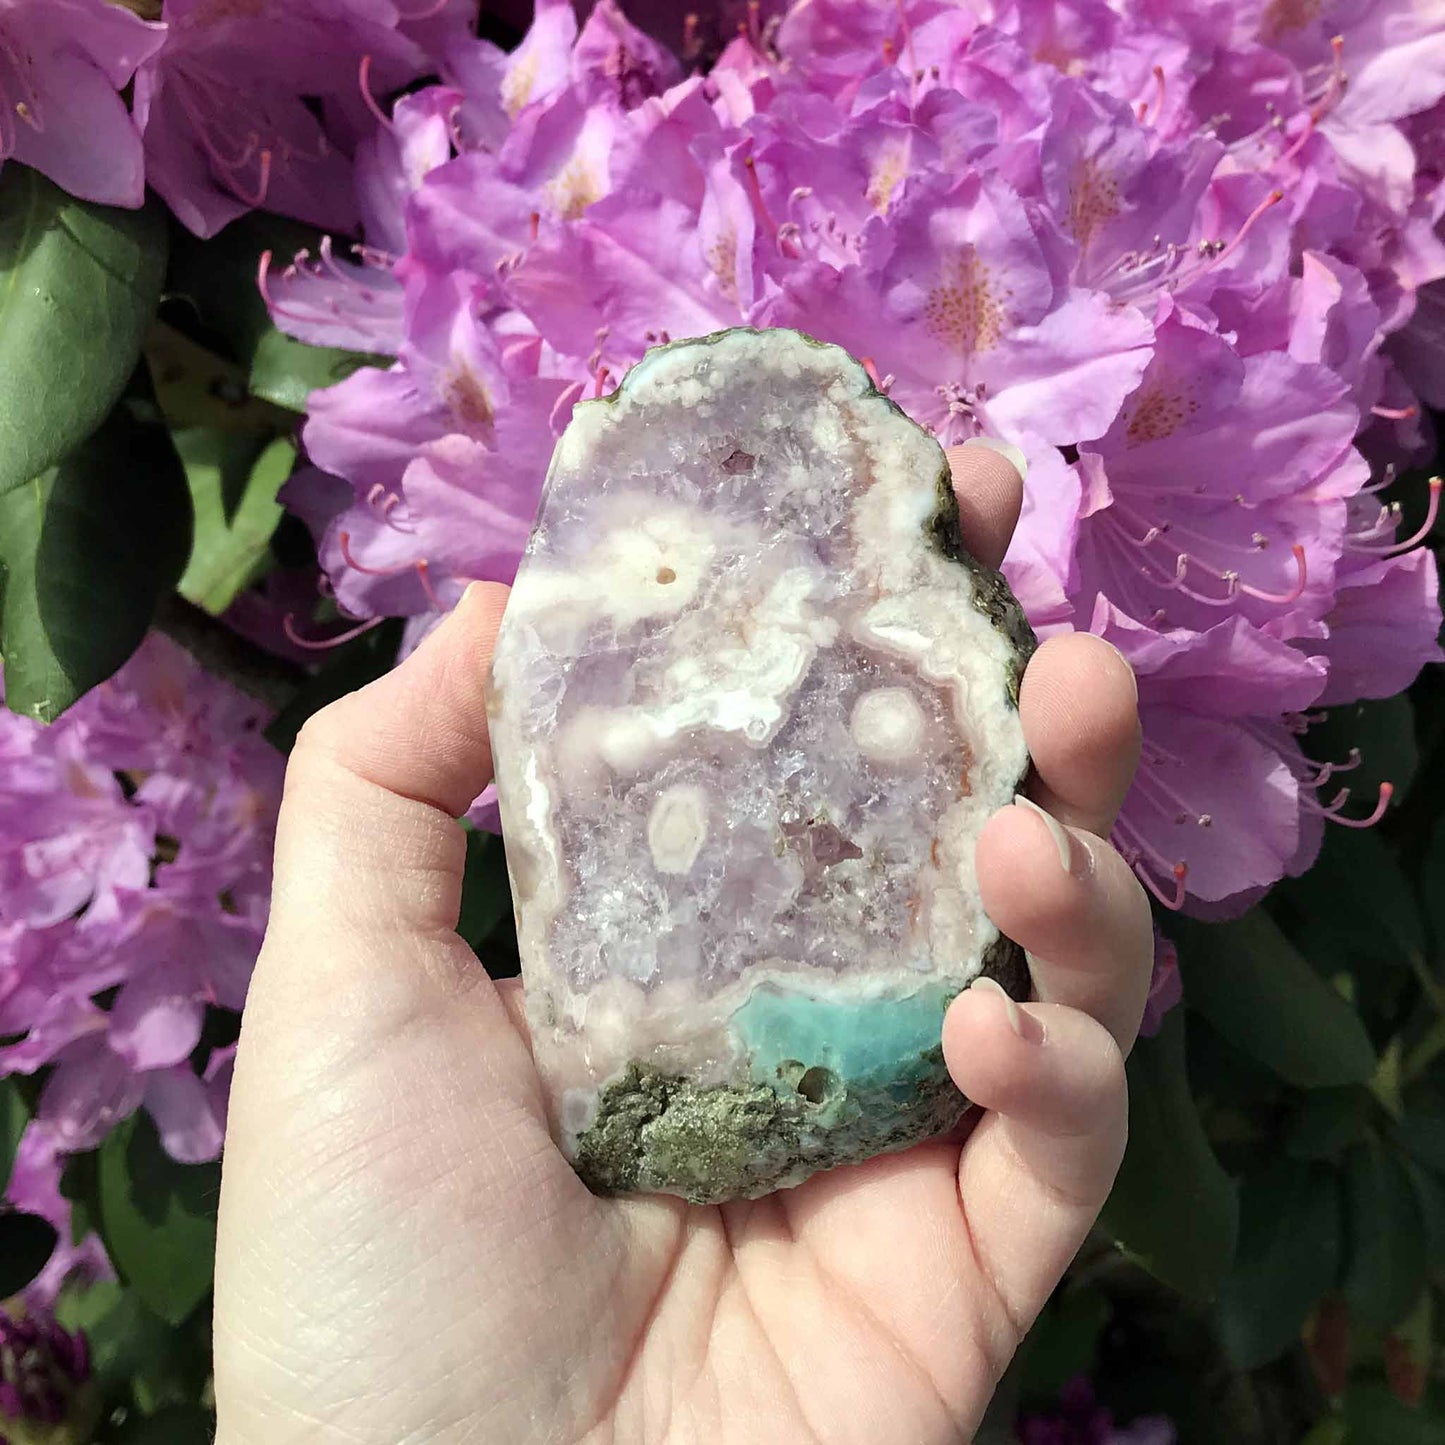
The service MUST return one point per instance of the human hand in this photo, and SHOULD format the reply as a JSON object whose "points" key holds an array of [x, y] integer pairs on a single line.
{"points": [[404, 1256]]}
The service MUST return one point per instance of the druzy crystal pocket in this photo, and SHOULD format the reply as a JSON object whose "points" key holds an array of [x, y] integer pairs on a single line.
{"points": [[751, 705]]}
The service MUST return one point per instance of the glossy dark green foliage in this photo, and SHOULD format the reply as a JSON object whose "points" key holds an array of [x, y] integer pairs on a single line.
{"points": [[1173, 1208], [87, 551], [1385, 1253], [157, 1218], [79, 284], [1290, 1238], [1251, 983]]}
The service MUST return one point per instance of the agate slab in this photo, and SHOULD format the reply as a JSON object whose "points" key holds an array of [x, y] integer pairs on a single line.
{"points": [[752, 703]]}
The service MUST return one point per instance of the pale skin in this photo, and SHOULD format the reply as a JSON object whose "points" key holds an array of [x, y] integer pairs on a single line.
{"points": [[404, 1256]]}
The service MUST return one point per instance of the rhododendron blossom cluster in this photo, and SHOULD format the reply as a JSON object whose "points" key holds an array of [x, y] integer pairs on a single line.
{"points": [[135, 847], [1165, 250]]}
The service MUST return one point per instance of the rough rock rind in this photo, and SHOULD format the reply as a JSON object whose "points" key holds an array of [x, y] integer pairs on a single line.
{"points": [[657, 1132]]}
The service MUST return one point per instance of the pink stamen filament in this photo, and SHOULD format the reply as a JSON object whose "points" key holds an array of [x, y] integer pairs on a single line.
{"points": [[423, 571], [907, 30], [1338, 81], [1328, 770], [564, 404], [349, 557], [1393, 549], [1395, 413], [1150, 784], [755, 195], [288, 626], [263, 183], [1332, 810], [383, 503], [1300, 141], [1142, 857], [1271, 200], [1158, 98], [1385, 481], [368, 96], [1234, 585], [329, 263]]}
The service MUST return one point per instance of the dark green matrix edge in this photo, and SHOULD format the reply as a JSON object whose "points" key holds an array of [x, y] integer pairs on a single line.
{"points": [[658, 1132]]}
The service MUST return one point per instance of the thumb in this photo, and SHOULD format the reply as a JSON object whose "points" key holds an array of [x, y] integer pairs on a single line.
{"points": [[377, 779]]}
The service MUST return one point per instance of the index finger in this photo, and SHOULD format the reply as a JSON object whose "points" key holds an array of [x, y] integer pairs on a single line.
{"points": [[988, 480]]}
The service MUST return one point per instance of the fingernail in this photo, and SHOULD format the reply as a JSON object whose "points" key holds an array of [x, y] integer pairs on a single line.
{"points": [[1128, 666], [1007, 450], [1024, 1025], [1069, 847]]}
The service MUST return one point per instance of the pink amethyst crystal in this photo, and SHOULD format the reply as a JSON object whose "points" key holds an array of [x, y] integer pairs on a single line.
{"points": [[751, 705]]}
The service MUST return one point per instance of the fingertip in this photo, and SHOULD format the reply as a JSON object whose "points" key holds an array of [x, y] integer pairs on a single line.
{"points": [[1080, 709], [988, 480], [1063, 1074], [478, 615], [420, 730], [1020, 877], [988, 1037]]}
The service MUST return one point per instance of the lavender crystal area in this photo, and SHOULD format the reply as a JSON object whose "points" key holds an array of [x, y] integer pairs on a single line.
{"points": [[751, 705]]}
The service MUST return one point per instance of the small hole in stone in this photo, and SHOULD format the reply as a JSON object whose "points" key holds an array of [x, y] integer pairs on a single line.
{"points": [[817, 1084], [666, 575]]}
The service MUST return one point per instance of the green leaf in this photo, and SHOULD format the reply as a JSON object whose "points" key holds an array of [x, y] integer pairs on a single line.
{"points": [[1288, 1259], [14, 1116], [1376, 1417], [79, 284], [80, 1184], [1430, 1199], [1172, 1208], [352, 665], [127, 1341], [1327, 1121], [1385, 1237], [285, 372], [486, 893], [234, 478], [1421, 1133], [87, 551], [1432, 885], [158, 1219], [1354, 906], [1332, 1430], [26, 1243], [1248, 980]]}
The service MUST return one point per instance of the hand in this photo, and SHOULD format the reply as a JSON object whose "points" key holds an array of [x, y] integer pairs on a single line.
{"points": [[404, 1256]]}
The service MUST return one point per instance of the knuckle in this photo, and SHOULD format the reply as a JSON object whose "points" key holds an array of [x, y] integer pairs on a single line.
{"points": [[321, 735]]}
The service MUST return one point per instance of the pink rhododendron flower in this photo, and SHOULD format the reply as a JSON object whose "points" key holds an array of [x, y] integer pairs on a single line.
{"points": [[1166, 989], [1134, 242], [62, 63], [135, 843], [256, 102]]}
